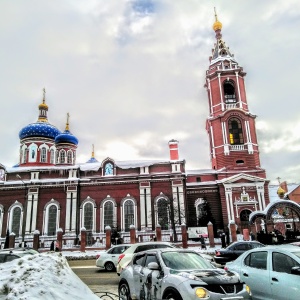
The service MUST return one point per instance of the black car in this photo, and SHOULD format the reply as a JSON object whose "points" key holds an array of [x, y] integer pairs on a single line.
{"points": [[222, 256]]}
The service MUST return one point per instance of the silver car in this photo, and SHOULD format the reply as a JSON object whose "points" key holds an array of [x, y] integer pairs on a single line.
{"points": [[178, 274], [272, 272]]}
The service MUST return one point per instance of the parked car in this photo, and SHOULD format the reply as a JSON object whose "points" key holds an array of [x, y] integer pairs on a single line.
{"points": [[222, 256], [7, 255], [178, 274], [127, 255], [272, 272], [108, 259]]}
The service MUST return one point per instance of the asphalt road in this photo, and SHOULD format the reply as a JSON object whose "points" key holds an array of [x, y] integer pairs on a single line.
{"points": [[96, 279]]}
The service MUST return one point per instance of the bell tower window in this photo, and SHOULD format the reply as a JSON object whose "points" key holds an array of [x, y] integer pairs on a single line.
{"points": [[229, 91], [235, 132]]}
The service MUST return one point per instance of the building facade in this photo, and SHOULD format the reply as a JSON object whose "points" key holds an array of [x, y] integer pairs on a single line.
{"points": [[48, 190]]}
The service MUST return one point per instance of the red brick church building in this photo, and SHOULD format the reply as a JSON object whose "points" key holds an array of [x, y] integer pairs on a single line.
{"points": [[49, 190]]}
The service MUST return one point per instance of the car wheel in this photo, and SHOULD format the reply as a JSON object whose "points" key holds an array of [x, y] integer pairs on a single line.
{"points": [[109, 266], [172, 295], [124, 292]]}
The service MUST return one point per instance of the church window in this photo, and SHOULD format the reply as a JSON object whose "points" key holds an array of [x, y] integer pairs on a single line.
{"points": [[69, 157], [128, 214], [235, 132], [109, 214], [240, 162], [16, 221], [52, 157], [43, 155], [62, 156], [52, 218], [108, 169], [198, 179], [229, 91], [244, 215], [88, 216], [163, 211]]}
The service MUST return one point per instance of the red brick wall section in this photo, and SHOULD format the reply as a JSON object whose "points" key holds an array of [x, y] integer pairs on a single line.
{"points": [[132, 234]]}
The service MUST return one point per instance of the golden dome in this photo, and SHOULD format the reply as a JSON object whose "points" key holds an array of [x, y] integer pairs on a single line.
{"points": [[280, 191], [43, 106], [217, 25]]}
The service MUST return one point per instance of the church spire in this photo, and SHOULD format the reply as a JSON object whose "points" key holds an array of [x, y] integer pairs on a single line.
{"points": [[43, 108]]}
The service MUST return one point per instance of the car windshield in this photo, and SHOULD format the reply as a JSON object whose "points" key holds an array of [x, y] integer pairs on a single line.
{"points": [[185, 261]]}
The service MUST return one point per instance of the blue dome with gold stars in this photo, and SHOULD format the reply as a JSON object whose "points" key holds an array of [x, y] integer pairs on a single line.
{"points": [[39, 129], [66, 137]]}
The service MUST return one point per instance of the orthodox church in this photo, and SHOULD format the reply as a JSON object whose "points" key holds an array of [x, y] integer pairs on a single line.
{"points": [[48, 190]]}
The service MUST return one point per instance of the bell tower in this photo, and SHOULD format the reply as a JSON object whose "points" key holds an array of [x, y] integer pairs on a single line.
{"points": [[230, 124]]}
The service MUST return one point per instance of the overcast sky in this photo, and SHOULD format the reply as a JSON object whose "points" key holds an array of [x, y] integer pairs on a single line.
{"points": [[131, 75]]}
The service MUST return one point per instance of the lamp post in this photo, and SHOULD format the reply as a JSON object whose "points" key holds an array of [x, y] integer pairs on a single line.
{"points": [[24, 210]]}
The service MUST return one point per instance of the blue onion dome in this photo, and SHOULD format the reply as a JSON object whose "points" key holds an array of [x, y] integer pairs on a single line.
{"points": [[92, 159], [66, 136], [41, 128]]}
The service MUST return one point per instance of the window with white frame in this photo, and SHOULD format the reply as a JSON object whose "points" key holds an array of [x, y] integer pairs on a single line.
{"points": [[88, 220], [128, 214], [52, 219], [62, 155], [69, 157], [163, 213], [52, 156], [43, 155], [108, 214], [16, 220]]}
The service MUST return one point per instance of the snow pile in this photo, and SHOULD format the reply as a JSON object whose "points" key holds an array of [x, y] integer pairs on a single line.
{"points": [[41, 276]]}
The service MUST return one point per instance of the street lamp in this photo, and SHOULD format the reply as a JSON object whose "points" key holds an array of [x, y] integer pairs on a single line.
{"points": [[24, 210]]}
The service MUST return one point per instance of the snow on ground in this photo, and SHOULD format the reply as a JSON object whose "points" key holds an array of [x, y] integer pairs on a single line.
{"points": [[48, 276], [44, 276]]}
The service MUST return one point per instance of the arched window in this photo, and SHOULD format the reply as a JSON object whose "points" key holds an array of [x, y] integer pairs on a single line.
{"points": [[163, 213], [229, 91], [128, 214], [57, 157], [244, 215], [108, 169], [108, 214], [52, 218], [235, 132], [88, 216], [16, 221], [62, 156], [52, 156], [69, 157], [43, 155], [25, 155]]}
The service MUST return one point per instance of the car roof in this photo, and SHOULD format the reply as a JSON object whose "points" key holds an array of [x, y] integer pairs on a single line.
{"points": [[169, 250]]}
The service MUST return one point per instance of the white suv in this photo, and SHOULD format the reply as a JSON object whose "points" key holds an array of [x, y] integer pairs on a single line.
{"points": [[126, 256], [108, 259]]}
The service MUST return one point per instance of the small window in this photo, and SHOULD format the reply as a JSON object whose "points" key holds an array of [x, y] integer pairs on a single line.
{"points": [[198, 179], [257, 260], [240, 162], [149, 259], [283, 263], [235, 132]]}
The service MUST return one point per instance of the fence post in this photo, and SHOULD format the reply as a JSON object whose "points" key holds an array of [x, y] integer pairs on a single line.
{"points": [[108, 237], [158, 232], [233, 231], [59, 234], [211, 236], [184, 236], [12, 238], [36, 239], [83, 239], [132, 234]]}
